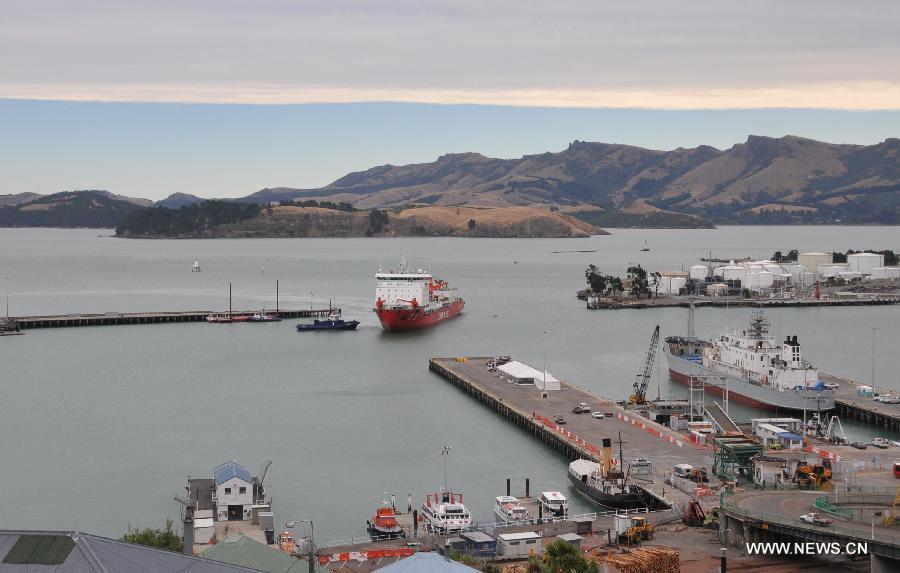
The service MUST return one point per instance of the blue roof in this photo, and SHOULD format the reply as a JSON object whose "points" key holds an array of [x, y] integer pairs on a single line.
{"points": [[789, 436], [229, 470]]}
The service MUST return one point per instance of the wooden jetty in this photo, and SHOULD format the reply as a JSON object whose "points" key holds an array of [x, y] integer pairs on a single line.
{"points": [[117, 318]]}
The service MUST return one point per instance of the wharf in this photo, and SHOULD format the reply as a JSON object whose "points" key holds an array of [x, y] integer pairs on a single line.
{"points": [[730, 302], [117, 318], [524, 406], [851, 406]]}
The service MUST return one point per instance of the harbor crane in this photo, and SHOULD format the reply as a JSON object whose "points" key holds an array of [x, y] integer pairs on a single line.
{"points": [[642, 380]]}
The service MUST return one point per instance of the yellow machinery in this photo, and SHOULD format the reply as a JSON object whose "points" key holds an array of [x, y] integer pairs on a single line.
{"points": [[634, 528], [891, 518], [815, 477]]}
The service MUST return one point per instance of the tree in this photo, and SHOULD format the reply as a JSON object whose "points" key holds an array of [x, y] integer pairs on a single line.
{"points": [[160, 538], [471, 224], [655, 282], [639, 284], [377, 221], [562, 557]]}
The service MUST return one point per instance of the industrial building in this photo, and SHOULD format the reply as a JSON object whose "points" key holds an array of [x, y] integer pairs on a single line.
{"points": [[523, 544]]}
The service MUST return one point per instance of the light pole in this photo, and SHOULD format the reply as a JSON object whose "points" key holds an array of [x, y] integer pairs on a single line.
{"points": [[310, 300], [445, 452], [547, 332], [7, 298], [312, 545], [874, 329]]}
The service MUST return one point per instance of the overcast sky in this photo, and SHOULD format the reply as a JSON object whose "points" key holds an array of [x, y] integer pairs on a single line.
{"points": [[590, 57]]}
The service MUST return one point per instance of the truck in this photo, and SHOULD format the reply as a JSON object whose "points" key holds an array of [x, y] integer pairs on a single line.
{"points": [[581, 408], [633, 528], [684, 470]]}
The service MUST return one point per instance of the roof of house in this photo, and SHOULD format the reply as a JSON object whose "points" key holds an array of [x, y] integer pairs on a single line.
{"points": [[76, 552], [427, 563], [230, 470], [241, 550]]}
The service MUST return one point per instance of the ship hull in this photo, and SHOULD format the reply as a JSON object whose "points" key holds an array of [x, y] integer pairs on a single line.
{"points": [[682, 370], [407, 319], [618, 501]]}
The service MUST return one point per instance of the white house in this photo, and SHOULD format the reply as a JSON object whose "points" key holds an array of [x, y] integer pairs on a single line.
{"points": [[523, 544], [234, 492]]}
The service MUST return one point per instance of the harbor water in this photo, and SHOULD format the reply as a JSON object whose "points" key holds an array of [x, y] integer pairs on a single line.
{"points": [[100, 427]]}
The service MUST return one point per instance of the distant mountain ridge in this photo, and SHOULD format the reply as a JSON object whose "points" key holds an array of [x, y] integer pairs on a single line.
{"points": [[763, 180], [70, 209], [787, 179]]}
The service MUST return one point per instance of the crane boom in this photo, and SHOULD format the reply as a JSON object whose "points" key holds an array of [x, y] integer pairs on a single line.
{"points": [[642, 380]]}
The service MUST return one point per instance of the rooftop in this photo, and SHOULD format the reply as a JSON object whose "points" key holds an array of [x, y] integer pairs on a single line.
{"points": [[230, 470], [246, 552], [427, 563], [76, 552]]}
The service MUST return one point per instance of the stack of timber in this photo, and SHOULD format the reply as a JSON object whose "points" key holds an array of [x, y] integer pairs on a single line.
{"points": [[644, 560], [515, 568]]}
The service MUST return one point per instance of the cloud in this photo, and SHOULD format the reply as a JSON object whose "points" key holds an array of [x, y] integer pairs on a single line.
{"points": [[669, 54], [853, 96]]}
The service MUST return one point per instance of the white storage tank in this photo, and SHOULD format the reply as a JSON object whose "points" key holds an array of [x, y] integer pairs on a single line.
{"points": [[886, 273], [865, 262], [676, 284], [699, 272], [665, 285], [813, 260], [734, 273], [766, 279]]}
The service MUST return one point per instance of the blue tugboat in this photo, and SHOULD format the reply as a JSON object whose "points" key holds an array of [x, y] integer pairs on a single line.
{"points": [[333, 322]]}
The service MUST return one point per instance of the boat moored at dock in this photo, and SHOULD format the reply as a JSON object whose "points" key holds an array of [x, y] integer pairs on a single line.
{"points": [[509, 510], [608, 485], [383, 525], [553, 504], [445, 512], [751, 367]]}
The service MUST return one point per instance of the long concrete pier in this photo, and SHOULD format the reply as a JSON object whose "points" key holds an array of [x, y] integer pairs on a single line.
{"points": [[117, 318], [581, 436], [851, 406]]}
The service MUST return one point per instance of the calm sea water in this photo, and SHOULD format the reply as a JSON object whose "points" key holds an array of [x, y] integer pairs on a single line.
{"points": [[100, 427]]}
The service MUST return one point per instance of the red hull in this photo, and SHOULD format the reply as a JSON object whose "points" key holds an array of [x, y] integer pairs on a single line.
{"points": [[416, 319], [719, 390]]}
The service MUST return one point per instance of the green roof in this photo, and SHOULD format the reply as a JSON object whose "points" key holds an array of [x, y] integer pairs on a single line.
{"points": [[40, 550], [241, 550]]}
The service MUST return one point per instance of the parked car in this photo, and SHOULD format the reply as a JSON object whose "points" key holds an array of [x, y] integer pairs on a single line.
{"points": [[598, 415], [831, 386], [559, 419], [880, 443], [858, 445], [581, 408], [815, 519]]}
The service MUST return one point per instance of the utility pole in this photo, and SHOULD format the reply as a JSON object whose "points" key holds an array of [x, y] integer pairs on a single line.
{"points": [[547, 332], [874, 329], [445, 452]]}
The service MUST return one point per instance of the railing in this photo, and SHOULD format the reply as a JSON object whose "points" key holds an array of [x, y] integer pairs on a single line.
{"points": [[825, 505], [862, 536]]}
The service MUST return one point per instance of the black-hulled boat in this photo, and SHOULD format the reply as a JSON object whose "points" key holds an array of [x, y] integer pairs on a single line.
{"points": [[333, 322], [609, 486]]}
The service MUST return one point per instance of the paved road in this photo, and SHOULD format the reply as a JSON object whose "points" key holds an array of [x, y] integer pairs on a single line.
{"points": [[792, 504]]}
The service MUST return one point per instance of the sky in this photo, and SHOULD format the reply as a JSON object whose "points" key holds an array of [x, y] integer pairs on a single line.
{"points": [[224, 97]]}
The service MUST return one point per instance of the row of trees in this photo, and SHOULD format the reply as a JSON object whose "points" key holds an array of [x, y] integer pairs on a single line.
{"points": [[641, 283], [342, 206], [187, 220]]}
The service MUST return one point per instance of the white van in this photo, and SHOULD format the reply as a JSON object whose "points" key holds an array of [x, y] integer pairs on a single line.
{"points": [[684, 470]]}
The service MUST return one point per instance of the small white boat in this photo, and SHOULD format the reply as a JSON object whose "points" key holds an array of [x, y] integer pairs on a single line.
{"points": [[444, 512], [553, 504], [509, 510]]}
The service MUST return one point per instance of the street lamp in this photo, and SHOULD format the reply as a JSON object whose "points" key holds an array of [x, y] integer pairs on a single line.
{"points": [[547, 332], [312, 543], [874, 329]]}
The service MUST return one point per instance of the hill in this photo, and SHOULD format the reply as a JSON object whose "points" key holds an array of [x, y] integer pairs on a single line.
{"points": [[763, 180], [70, 209], [218, 219]]}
